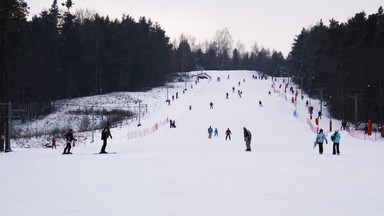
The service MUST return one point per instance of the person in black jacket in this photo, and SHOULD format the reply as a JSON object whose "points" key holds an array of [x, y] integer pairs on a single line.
{"points": [[69, 138], [104, 136], [247, 139]]}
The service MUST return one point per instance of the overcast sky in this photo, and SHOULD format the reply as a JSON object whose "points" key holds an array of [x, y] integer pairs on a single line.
{"points": [[272, 24]]}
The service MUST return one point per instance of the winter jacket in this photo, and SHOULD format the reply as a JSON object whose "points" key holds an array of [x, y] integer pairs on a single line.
{"points": [[106, 133], [320, 138], [69, 137], [210, 130], [247, 135], [228, 132], [336, 138]]}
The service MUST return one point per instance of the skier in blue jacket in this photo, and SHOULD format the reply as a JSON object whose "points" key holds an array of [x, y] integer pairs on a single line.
{"points": [[320, 140], [210, 130], [336, 141]]}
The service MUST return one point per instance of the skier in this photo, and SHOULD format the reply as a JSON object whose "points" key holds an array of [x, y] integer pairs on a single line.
{"points": [[320, 140], [104, 136], [216, 132], [210, 130], [336, 141], [69, 138], [53, 143], [247, 138], [343, 124], [228, 134]]}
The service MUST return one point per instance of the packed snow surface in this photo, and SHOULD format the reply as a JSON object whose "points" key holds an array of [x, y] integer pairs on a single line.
{"points": [[179, 171]]}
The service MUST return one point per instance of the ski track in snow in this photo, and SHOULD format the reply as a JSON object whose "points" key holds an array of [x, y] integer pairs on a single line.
{"points": [[180, 171]]}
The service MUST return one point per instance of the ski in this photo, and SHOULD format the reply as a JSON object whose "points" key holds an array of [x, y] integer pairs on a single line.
{"points": [[105, 153]]}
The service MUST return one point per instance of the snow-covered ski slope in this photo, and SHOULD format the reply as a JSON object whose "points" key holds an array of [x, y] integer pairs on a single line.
{"points": [[179, 171]]}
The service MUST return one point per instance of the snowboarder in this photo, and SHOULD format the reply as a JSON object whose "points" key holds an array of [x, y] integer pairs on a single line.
{"points": [[320, 140], [104, 136], [247, 138], [211, 105], [210, 130], [336, 141], [228, 134], [69, 138], [216, 132]]}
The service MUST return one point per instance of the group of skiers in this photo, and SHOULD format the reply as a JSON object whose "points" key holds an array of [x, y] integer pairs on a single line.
{"points": [[228, 133], [320, 138], [105, 134]]}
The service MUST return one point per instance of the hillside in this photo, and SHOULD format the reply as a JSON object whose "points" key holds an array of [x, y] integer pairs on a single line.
{"points": [[179, 171]]}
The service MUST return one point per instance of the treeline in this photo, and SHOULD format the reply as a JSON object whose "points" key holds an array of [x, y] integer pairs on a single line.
{"points": [[63, 54], [220, 54], [343, 64], [58, 55]]}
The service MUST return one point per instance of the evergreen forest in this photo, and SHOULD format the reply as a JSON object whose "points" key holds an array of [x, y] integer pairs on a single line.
{"points": [[62, 53]]}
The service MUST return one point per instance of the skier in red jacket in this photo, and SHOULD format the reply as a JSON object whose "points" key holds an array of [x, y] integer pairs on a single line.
{"points": [[228, 134]]}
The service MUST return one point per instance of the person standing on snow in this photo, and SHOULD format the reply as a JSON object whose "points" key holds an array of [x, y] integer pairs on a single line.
{"points": [[247, 138], [210, 130], [69, 138], [320, 140], [319, 114], [336, 141], [53, 143], [211, 105], [228, 134], [216, 132], [105, 134]]}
